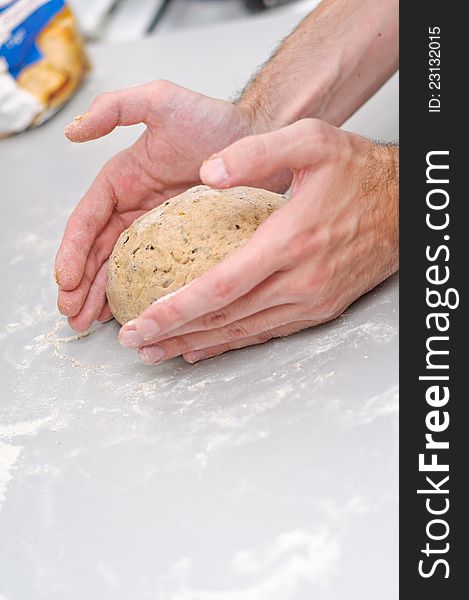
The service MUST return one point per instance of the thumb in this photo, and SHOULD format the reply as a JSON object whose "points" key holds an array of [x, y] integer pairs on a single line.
{"points": [[303, 144], [140, 104]]}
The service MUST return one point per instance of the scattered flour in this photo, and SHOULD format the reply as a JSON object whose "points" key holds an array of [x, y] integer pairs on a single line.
{"points": [[8, 432], [291, 560], [379, 406], [28, 316], [280, 569], [378, 333], [51, 340], [9, 453], [8, 457]]}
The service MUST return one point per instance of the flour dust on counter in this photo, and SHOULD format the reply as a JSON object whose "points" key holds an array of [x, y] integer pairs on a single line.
{"points": [[8, 457]]}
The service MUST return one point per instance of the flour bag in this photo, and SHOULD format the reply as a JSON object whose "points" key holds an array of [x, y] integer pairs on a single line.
{"points": [[42, 61]]}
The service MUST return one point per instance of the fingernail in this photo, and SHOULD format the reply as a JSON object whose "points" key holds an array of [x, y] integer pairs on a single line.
{"points": [[58, 272], [130, 338], [214, 170], [76, 121], [148, 328], [195, 356], [80, 118], [152, 355]]}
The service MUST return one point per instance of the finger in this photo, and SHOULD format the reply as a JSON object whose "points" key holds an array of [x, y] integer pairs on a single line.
{"points": [[285, 330], [297, 146], [271, 292], [244, 328], [94, 304], [84, 225], [70, 302], [105, 315], [120, 108], [234, 277], [116, 179]]}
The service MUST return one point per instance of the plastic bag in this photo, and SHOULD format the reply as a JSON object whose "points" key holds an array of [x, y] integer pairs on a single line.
{"points": [[42, 61]]}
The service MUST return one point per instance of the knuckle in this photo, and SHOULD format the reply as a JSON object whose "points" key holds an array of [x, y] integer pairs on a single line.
{"points": [[214, 319], [173, 313], [316, 134], [325, 309], [236, 331], [180, 345], [159, 97], [323, 305], [319, 131], [190, 358], [222, 289], [221, 349], [162, 86], [316, 305], [305, 313], [265, 336]]}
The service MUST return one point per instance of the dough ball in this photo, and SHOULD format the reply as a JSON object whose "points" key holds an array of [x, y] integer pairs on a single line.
{"points": [[179, 240]]}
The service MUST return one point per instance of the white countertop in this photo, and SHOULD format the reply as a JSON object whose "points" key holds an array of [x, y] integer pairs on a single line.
{"points": [[266, 474]]}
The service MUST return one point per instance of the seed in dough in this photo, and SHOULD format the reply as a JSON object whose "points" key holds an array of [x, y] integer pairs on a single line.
{"points": [[180, 240]]}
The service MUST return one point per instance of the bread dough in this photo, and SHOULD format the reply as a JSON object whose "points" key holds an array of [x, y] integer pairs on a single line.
{"points": [[179, 240]]}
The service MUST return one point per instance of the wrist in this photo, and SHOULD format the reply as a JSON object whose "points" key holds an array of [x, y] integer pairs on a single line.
{"points": [[308, 95], [258, 116]]}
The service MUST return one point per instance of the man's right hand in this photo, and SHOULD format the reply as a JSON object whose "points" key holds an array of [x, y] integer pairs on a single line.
{"points": [[183, 129]]}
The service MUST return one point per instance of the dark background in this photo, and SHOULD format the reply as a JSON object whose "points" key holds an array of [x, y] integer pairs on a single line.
{"points": [[421, 132]]}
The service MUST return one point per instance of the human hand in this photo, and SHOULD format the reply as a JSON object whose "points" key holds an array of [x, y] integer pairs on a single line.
{"points": [[333, 241], [183, 129]]}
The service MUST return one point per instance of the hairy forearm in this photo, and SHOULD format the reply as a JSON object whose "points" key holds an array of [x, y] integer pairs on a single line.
{"points": [[383, 184], [337, 58]]}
